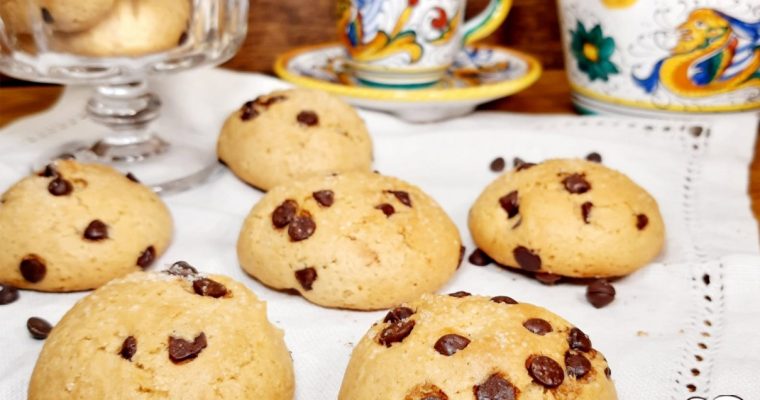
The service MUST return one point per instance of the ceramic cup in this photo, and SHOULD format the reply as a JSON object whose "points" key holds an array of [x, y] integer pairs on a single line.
{"points": [[410, 43], [662, 57]]}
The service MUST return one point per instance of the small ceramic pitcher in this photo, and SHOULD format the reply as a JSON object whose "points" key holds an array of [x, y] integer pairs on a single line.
{"points": [[410, 43]]}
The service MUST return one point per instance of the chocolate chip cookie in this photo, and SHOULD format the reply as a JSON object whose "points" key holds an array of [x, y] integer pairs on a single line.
{"points": [[357, 240], [293, 134], [76, 226], [176, 334], [475, 348], [567, 217]]}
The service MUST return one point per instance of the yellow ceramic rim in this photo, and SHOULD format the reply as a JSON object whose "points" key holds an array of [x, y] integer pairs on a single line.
{"points": [[494, 90], [648, 106]]}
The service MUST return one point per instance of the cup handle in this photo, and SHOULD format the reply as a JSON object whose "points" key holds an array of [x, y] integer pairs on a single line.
{"points": [[487, 21]]}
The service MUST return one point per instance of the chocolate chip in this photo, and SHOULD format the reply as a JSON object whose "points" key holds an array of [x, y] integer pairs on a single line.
{"points": [[182, 268], [128, 348], [585, 210], [600, 293], [8, 294], [497, 165], [547, 278], [577, 340], [182, 39], [450, 344], [594, 157], [402, 196], [398, 314], [526, 259], [267, 101], [132, 177], [641, 221], [396, 332], [520, 165], [38, 328], [46, 16], [325, 198], [576, 365], [386, 208], [461, 255], [247, 111], [545, 371], [209, 287], [59, 187], [308, 118], [576, 184], [49, 171], [181, 349], [706, 279], [306, 277], [538, 326], [147, 257], [503, 300], [302, 227], [479, 258], [426, 392], [607, 372], [284, 213], [510, 203], [96, 230], [496, 387], [460, 294], [32, 268]]}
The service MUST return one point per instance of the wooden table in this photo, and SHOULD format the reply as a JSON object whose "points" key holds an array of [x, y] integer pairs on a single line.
{"points": [[551, 94]]}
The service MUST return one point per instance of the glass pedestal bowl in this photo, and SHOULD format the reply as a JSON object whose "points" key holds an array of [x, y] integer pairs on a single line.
{"points": [[115, 45]]}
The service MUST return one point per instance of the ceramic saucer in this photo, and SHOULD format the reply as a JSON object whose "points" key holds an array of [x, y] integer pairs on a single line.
{"points": [[480, 73]]}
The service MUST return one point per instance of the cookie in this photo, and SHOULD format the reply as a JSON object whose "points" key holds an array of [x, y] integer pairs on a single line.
{"points": [[475, 348], [131, 28], [76, 226], [17, 16], [358, 240], [293, 134], [571, 218], [176, 335], [74, 16]]}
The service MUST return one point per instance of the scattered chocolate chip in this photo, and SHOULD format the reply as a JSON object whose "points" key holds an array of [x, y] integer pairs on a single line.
{"points": [[461, 255], [576, 184], [576, 365], [520, 165], [60, 187], [600, 293], [460, 294], [396, 332], [301, 228], [641, 221], [497, 165], [247, 111], [386, 208], [594, 157], [49, 171], [450, 344], [147, 257], [306, 277], [8, 294], [479, 258], [577, 340], [510, 203], [538, 326], [706, 279], [181, 349], [32, 268], [607, 372], [325, 198], [547, 278], [209, 287], [182, 39], [545, 371], [495, 387], [398, 314], [526, 259], [284, 213], [503, 300], [182, 268], [426, 392], [402, 196], [307, 118], [696, 130], [132, 177], [46, 16], [586, 209], [38, 328], [128, 348], [96, 230]]}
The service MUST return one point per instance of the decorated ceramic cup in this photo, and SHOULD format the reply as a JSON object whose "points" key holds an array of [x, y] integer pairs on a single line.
{"points": [[410, 43], [660, 57]]}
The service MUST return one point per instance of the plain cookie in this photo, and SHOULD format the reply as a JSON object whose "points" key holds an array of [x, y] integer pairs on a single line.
{"points": [[294, 134], [475, 348], [76, 226], [168, 335], [359, 240], [567, 217]]}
